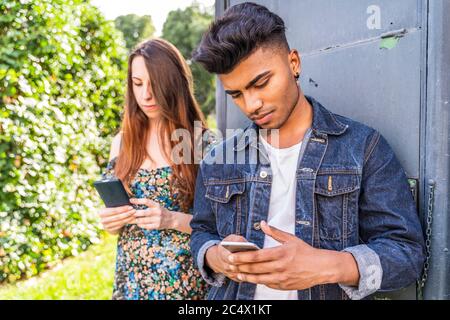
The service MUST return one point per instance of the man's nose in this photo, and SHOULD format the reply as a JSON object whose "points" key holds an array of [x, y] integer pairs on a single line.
{"points": [[253, 103]]}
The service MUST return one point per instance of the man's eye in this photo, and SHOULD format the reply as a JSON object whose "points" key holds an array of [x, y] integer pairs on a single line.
{"points": [[235, 96], [262, 85]]}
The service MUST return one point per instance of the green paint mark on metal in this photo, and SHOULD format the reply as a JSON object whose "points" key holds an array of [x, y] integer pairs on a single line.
{"points": [[389, 43], [390, 39]]}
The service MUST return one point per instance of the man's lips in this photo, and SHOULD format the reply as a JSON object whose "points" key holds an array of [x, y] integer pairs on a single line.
{"points": [[262, 119]]}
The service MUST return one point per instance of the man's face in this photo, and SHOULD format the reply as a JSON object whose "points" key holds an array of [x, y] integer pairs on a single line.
{"points": [[263, 86]]}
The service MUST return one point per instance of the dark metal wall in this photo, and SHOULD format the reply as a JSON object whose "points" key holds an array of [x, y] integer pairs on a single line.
{"points": [[436, 153]]}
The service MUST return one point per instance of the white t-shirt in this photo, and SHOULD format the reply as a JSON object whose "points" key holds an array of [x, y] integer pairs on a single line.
{"points": [[283, 163]]}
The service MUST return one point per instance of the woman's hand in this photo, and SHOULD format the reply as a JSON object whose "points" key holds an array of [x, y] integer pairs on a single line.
{"points": [[155, 217], [114, 219]]}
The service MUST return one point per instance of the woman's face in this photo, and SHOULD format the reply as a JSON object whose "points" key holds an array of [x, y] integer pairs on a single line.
{"points": [[142, 89]]}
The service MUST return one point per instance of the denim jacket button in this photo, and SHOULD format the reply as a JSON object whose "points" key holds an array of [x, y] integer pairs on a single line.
{"points": [[257, 226], [303, 222], [263, 174]]}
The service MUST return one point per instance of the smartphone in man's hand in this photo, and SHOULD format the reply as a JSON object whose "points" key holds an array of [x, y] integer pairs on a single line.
{"points": [[233, 246]]}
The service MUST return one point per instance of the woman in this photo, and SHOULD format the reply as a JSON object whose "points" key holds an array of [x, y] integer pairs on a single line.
{"points": [[153, 257]]}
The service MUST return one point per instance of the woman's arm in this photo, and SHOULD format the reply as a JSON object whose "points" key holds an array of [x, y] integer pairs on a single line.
{"points": [[115, 146], [180, 221]]}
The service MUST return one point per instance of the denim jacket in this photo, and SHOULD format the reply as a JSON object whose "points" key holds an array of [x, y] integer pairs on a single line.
{"points": [[351, 195]]}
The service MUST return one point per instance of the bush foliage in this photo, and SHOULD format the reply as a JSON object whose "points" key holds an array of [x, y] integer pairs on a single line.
{"points": [[135, 28], [184, 28], [62, 77]]}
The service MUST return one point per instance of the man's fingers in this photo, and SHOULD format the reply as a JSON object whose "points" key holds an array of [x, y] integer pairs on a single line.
{"points": [[235, 237], [276, 234], [119, 217], [262, 255], [229, 268], [267, 278], [233, 276], [224, 254], [258, 268]]}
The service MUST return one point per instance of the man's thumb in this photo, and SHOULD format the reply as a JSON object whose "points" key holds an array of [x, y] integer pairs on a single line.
{"points": [[275, 233]]}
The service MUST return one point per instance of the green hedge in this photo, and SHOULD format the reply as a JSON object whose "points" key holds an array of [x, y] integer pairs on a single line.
{"points": [[62, 77]]}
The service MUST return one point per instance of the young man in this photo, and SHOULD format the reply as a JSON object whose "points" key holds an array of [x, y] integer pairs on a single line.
{"points": [[329, 205]]}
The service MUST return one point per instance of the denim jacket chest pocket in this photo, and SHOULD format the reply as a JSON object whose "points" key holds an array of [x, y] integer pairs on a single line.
{"points": [[227, 202], [336, 203]]}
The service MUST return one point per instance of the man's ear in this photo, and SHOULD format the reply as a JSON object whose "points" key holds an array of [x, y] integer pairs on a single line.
{"points": [[295, 63]]}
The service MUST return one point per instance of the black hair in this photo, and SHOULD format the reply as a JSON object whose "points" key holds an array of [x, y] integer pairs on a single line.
{"points": [[237, 34]]}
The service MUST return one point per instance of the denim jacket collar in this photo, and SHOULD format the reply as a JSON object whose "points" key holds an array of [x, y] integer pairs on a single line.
{"points": [[324, 122]]}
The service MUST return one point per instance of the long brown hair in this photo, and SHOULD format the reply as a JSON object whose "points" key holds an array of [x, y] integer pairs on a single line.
{"points": [[172, 85]]}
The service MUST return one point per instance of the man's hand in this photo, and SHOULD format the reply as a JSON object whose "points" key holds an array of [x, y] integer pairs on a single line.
{"points": [[217, 258], [294, 265]]}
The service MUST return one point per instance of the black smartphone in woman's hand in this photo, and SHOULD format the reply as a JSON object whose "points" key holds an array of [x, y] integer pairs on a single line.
{"points": [[112, 192]]}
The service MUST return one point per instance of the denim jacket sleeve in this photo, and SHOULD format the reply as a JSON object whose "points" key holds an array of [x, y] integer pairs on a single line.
{"points": [[204, 233], [391, 253]]}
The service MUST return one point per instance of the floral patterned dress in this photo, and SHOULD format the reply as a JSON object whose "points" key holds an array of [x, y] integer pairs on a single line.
{"points": [[156, 264]]}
